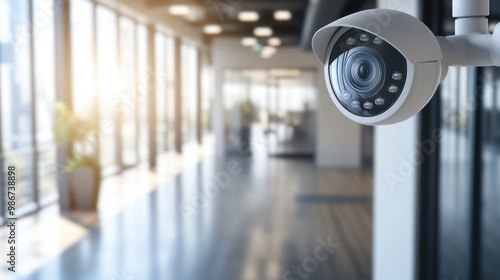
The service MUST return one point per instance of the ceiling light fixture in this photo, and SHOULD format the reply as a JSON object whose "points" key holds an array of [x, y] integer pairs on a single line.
{"points": [[263, 32], [248, 41], [268, 51], [212, 29], [282, 15], [248, 16], [275, 42], [179, 10]]}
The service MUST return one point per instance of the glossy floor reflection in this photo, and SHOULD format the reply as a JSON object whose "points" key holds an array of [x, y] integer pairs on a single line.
{"points": [[257, 218]]}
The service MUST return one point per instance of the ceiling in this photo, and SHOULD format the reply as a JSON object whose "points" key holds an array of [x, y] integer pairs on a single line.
{"points": [[307, 16]]}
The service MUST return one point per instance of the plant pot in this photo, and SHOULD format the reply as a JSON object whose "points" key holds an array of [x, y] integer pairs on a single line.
{"points": [[84, 188]]}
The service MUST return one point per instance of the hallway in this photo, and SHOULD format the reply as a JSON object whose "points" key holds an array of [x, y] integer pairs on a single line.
{"points": [[268, 218]]}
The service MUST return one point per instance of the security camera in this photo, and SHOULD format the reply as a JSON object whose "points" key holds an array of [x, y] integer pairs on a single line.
{"points": [[383, 66]]}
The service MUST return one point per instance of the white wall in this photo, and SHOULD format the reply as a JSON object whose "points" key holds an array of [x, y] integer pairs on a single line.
{"points": [[395, 193], [338, 140]]}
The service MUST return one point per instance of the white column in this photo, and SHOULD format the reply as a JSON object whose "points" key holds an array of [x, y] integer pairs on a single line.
{"points": [[395, 189]]}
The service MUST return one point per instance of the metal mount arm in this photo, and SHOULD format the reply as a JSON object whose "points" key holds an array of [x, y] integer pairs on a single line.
{"points": [[471, 16], [472, 44]]}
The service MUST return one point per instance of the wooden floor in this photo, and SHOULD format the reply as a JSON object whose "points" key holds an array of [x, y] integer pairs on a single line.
{"points": [[259, 218]]}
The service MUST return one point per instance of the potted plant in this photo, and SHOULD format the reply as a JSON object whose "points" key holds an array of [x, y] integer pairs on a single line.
{"points": [[247, 115], [80, 136]]}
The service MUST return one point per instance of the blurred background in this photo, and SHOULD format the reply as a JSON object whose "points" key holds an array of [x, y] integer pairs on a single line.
{"points": [[195, 139]]}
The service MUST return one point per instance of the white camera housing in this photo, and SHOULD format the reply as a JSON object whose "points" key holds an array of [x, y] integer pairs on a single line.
{"points": [[379, 38]]}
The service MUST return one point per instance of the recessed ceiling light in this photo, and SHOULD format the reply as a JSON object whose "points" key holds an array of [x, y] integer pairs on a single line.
{"points": [[268, 51], [248, 16], [263, 31], [196, 14], [275, 42], [212, 29], [179, 10], [282, 15], [266, 55], [248, 41]]}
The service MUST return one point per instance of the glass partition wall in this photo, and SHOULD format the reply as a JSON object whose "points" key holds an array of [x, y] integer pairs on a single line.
{"points": [[291, 126], [460, 182], [490, 177], [468, 214], [275, 107]]}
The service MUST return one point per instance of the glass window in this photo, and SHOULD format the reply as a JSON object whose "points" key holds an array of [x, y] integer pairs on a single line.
{"points": [[455, 173], [193, 92], [44, 60], [15, 95], [129, 99], [170, 76], [82, 58], [84, 76], [108, 86], [490, 255], [189, 92], [142, 89], [206, 95], [161, 92]]}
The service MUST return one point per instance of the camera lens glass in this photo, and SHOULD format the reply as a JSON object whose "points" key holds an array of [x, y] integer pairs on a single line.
{"points": [[364, 69]]}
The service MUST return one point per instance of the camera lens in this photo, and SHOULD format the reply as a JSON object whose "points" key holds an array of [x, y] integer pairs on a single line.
{"points": [[360, 70], [364, 71]]}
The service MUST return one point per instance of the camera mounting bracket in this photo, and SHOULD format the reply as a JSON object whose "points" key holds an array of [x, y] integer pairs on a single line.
{"points": [[472, 44], [471, 16]]}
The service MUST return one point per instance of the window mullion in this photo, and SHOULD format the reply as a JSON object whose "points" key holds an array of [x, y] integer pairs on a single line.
{"points": [[34, 144]]}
